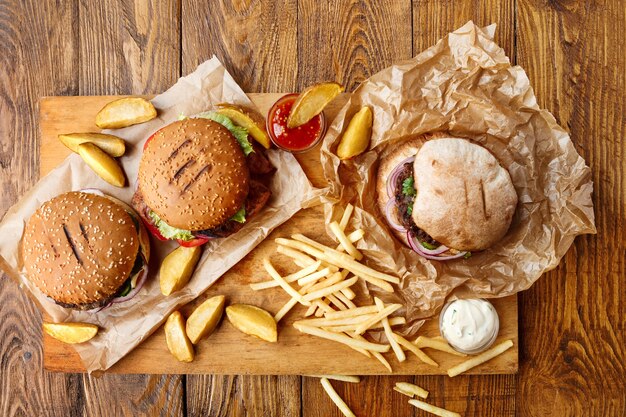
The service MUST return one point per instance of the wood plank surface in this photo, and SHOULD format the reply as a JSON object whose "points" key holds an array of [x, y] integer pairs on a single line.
{"points": [[26, 73], [574, 319], [227, 350]]}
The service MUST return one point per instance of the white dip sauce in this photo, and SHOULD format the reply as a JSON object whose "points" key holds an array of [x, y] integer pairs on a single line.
{"points": [[469, 324]]}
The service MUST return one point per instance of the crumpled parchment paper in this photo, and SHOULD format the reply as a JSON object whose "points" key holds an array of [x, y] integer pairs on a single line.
{"points": [[125, 325], [464, 85]]}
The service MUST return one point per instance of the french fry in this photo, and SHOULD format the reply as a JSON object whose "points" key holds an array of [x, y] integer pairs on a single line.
{"points": [[437, 344], [403, 392], [385, 286], [480, 359], [344, 261], [289, 278], [285, 309], [394, 321], [441, 412], [377, 355], [284, 285], [329, 290], [350, 295], [342, 338], [332, 280], [343, 407], [314, 277], [321, 322], [345, 218], [345, 299], [397, 350], [311, 310], [412, 389], [352, 237], [353, 312], [300, 259], [318, 311], [323, 306], [377, 317], [410, 346], [344, 378], [336, 302], [345, 242]]}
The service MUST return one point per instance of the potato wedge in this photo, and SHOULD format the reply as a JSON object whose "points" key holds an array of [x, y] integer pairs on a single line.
{"points": [[253, 321], [244, 120], [205, 318], [357, 136], [71, 332], [125, 112], [177, 268], [311, 102], [110, 144], [102, 164], [177, 341]]}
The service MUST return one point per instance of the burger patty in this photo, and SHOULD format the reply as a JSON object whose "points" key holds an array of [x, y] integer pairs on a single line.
{"points": [[403, 202]]}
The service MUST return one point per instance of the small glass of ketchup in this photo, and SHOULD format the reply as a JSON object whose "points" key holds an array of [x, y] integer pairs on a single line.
{"points": [[296, 140]]}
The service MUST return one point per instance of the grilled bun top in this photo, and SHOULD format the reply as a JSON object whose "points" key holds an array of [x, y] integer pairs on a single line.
{"points": [[464, 198], [79, 248], [193, 174]]}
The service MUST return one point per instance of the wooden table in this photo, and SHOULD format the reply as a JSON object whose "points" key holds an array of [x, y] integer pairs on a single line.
{"points": [[572, 321]]}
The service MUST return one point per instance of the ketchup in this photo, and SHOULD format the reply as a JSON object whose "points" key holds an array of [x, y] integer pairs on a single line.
{"points": [[297, 139]]}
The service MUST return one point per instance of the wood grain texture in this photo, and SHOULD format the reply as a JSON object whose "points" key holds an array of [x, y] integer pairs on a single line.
{"points": [[243, 396], [254, 39], [434, 19], [27, 72], [130, 47], [574, 318], [295, 354], [348, 41]]}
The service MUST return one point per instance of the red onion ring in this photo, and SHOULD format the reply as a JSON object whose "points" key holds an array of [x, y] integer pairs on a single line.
{"points": [[393, 177], [417, 247], [437, 251], [391, 219]]}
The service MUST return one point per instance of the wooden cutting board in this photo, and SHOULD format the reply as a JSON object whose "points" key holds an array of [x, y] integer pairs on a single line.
{"points": [[228, 351]]}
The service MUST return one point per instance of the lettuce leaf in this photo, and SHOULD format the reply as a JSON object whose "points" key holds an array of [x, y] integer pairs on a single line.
{"points": [[240, 133], [240, 216], [408, 187], [168, 231]]}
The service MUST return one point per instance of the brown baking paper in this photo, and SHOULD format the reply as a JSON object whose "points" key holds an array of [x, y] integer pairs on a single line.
{"points": [[125, 325], [466, 86]]}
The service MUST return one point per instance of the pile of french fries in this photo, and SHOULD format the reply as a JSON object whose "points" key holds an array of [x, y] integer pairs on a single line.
{"points": [[324, 285]]}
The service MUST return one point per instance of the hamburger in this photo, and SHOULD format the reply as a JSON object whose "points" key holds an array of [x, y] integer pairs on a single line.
{"points": [[200, 178], [86, 250], [445, 197]]}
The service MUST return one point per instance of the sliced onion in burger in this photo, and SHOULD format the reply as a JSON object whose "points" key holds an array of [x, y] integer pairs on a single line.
{"points": [[434, 254]]}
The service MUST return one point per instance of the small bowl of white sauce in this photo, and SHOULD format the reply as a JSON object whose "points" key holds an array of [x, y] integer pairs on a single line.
{"points": [[469, 326]]}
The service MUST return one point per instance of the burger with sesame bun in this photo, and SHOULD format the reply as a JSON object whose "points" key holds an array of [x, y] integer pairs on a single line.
{"points": [[200, 178], [445, 197], [86, 250]]}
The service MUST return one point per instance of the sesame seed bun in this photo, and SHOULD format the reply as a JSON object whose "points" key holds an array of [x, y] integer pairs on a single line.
{"points": [[464, 199], [80, 248], [193, 174]]}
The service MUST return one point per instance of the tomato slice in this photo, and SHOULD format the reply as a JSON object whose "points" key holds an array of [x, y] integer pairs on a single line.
{"points": [[194, 242]]}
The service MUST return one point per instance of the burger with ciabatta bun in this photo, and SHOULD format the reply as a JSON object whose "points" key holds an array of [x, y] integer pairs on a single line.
{"points": [[201, 178], [86, 250], [445, 197]]}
